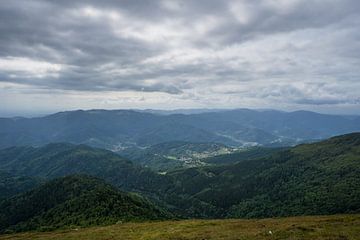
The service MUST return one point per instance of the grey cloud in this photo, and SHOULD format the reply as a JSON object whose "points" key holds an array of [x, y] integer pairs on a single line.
{"points": [[325, 101], [185, 48]]}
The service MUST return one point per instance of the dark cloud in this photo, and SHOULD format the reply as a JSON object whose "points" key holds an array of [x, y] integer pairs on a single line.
{"points": [[223, 53]]}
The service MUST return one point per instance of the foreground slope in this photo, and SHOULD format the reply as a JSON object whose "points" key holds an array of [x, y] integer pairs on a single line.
{"points": [[341, 227], [74, 201]]}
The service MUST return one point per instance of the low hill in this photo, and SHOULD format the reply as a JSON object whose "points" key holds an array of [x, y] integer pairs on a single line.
{"points": [[338, 227], [74, 201]]}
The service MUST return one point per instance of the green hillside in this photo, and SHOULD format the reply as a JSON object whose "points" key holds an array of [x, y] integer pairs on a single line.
{"points": [[11, 185], [62, 159], [318, 178], [310, 179], [74, 201]]}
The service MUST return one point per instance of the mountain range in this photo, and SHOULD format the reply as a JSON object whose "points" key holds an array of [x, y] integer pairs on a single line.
{"points": [[119, 129]]}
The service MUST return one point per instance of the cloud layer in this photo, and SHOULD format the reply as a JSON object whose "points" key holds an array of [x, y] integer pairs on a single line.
{"points": [[286, 54]]}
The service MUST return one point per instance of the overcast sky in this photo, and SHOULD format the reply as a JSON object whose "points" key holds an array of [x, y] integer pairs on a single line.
{"points": [[281, 54]]}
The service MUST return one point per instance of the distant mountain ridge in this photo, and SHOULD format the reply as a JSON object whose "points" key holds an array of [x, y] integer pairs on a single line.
{"points": [[117, 129]]}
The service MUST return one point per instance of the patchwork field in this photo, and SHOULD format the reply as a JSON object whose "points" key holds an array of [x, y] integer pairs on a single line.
{"points": [[336, 227]]}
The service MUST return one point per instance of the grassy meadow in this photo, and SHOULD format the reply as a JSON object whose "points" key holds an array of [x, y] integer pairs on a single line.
{"points": [[335, 227]]}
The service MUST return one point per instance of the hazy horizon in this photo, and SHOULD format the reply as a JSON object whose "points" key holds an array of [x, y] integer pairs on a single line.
{"points": [[168, 111]]}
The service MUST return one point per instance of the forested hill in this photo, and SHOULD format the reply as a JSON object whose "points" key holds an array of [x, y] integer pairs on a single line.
{"points": [[12, 184], [62, 159], [74, 201], [318, 178]]}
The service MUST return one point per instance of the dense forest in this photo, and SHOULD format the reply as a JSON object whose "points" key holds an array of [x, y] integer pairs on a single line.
{"points": [[309, 179], [318, 178], [74, 201], [12, 184]]}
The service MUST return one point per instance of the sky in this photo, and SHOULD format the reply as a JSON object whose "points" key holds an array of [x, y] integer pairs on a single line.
{"points": [[279, 54]]}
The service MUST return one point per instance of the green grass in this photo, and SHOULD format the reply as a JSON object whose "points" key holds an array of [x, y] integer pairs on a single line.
{"points": [[335, 227]]}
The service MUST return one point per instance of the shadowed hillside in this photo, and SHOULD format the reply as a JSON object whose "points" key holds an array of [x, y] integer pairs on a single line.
{"points": [[61, 159], [74, 201], [11, 185]]}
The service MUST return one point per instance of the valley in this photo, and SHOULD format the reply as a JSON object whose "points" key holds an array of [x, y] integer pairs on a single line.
{"points": [[169, 156]]}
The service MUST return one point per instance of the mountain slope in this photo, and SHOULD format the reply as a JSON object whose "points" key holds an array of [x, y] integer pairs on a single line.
{"points": [[74, 201], [242, 155], [319, 178]]}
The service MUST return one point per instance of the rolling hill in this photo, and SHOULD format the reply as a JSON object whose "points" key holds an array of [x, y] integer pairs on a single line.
{"points": [[318, 178], [62, 159], [74, 201]]}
